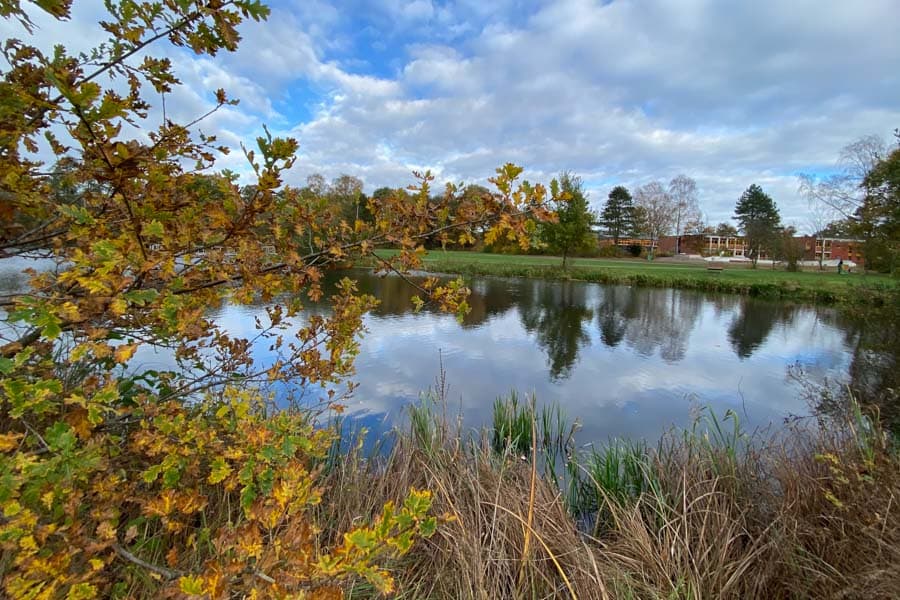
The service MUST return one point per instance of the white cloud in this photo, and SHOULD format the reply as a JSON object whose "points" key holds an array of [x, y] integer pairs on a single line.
{"points": [[620, 92]]}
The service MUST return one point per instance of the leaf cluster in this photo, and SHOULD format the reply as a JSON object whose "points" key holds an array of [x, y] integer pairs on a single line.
{"points": [[117, 480]]}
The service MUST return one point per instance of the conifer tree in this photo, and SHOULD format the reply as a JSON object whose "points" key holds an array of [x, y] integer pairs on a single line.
{"points": [[617, 217], [758, 219]]}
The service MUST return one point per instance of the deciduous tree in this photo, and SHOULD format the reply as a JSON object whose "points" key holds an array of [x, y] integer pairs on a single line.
{"points": [[880, 213], [726, 230], [657, 212], [571, 231], [683, 194]]}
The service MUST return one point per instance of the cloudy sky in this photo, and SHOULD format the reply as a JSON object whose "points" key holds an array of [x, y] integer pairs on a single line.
{"points": [[620, 92]]}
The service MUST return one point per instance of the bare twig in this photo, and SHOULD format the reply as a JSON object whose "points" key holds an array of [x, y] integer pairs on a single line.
{"points": [[168, 574]]}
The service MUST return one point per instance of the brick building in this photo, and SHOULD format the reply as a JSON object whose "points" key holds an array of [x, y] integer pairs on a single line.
{"points": [[814, 248], [625, 242]]}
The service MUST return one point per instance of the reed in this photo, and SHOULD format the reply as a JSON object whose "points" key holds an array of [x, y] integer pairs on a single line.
{"points": [[710, 512]]}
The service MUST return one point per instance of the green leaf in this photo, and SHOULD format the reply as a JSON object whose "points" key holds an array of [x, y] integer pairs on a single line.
{"points": [[151, 474], [6, 365], [105, 249], [428, 527], [219, 471], [79, 214], [141, 297], [172, 476], [155, 229], [361, 538], [248, 495], [60, 437], [49, 322]]}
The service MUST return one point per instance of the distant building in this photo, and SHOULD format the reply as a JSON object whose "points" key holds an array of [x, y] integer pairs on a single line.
{"points": [[815, 248], [705, 245], [838, 249], [625, 242]]}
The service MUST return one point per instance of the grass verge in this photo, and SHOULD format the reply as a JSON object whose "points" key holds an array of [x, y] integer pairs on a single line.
{"points": [[814, 287]]}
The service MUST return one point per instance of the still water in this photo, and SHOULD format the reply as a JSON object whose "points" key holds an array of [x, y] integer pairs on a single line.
{"points": [[625, 361]]}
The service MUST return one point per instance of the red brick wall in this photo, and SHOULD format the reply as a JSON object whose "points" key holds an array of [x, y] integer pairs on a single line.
{"points": [[848, 250]]}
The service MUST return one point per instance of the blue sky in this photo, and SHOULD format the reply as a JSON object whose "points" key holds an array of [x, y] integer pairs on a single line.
{"points": [[620, 92]]}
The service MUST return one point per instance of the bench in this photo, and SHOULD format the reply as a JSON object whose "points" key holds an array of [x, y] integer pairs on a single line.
{"points": [[715, 268]]}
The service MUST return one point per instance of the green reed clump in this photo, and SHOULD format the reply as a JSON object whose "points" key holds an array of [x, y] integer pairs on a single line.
{"points": [[524, 429], [512, 425]]}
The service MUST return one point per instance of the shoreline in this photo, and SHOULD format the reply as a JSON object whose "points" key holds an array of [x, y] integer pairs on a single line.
{"points": [[803, 287]]}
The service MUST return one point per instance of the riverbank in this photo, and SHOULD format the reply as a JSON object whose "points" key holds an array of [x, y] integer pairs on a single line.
{"points": [[711, 512], [809, 287]]}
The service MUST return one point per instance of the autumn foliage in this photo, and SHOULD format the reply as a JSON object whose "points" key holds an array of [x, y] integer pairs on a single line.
{"points": [[121, 481]]}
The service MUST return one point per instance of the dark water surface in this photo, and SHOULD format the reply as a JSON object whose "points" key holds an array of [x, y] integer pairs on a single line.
{"points": [[627, 362]]}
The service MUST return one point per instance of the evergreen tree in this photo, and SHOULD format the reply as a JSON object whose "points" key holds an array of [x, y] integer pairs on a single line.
{"points": [[572, 231], [758, 219], [617, 217]]}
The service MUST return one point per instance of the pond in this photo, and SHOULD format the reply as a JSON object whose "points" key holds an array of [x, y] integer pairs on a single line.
{"points": [[625, 361]]}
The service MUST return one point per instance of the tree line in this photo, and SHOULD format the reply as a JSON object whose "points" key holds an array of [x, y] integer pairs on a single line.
{"points": [[860, 201]]}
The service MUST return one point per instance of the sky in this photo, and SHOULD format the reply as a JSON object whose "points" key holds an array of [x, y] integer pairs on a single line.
{"points": [[620, 92]]}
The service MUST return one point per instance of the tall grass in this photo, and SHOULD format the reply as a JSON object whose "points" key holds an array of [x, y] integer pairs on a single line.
{"points": [[711, 512]]}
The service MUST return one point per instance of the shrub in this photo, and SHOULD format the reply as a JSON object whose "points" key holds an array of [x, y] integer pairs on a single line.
{"points": [[610, 251], [122, 481]]}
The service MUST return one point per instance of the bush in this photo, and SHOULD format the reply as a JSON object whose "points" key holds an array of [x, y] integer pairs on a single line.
{"points": [[635, 250], [610, 251], [120, 481]]}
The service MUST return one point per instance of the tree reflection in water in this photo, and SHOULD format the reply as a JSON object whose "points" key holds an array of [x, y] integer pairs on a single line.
{"points": [[556, 314], [649, 320], [753, 324]]}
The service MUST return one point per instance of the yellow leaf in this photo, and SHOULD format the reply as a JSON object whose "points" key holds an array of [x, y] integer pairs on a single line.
{"points": [[9, 441], [27, 543], [106, 530], [193, 586], [82, 591], [118, 306], [125, 352]]}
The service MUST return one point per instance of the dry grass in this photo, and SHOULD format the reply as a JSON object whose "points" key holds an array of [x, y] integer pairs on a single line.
{"points": [[811, 514]]}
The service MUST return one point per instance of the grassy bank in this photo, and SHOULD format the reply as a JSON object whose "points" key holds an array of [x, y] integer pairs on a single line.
{"points": [[709, 513], [807, 286]]}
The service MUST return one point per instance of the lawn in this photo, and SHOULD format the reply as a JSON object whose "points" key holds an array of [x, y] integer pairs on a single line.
{"points": [[816, 286]]}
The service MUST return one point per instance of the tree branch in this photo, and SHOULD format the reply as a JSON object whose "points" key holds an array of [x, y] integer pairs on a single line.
{"points": [[168, 574]]}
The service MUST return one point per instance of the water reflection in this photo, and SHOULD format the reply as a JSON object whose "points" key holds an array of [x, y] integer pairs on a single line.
{"points": [[661, 320], [625, 361], [873, 339], [753, 324], [556, 316], [613, 314]]}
